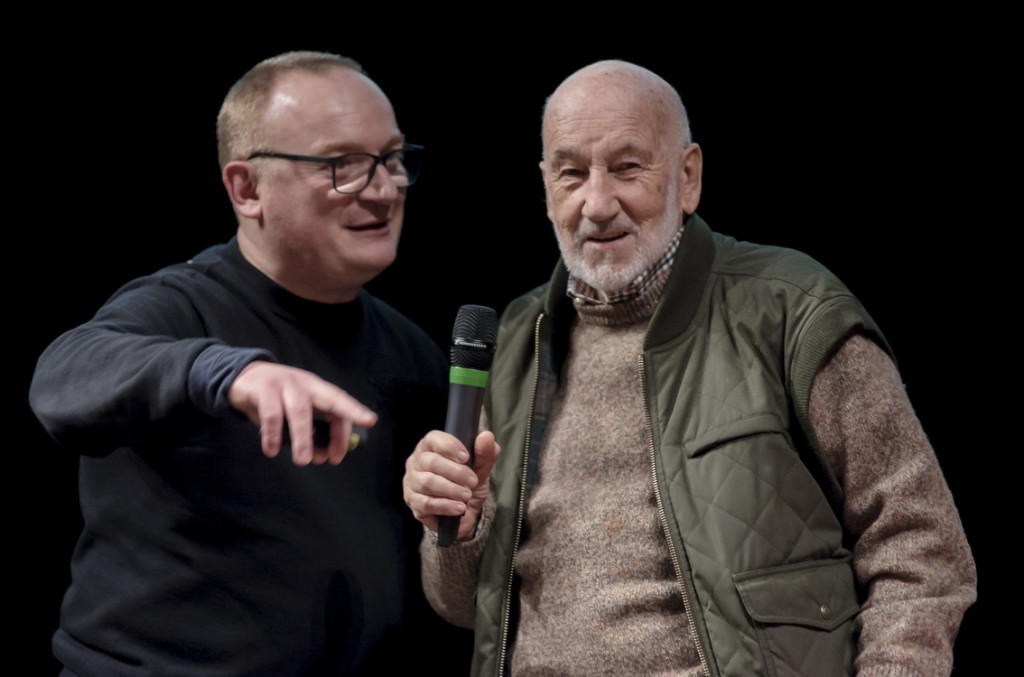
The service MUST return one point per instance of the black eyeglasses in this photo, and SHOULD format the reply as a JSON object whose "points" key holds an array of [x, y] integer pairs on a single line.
{"points": [[353, 172]]}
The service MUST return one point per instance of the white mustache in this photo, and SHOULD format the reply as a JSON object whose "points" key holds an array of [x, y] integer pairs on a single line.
{"points": [[589, 229]]}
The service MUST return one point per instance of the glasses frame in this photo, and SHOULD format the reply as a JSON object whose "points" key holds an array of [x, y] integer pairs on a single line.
{"points": [[334, 161]]}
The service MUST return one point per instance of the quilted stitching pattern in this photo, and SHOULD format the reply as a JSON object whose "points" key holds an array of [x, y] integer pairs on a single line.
{"points": [[740, 494]]}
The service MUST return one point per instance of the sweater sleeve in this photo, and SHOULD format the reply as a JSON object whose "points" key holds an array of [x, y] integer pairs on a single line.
{"points": [[911, 554], [121, 378], [450, 574]]}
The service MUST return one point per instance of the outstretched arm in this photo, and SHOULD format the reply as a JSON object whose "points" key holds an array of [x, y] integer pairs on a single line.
{"points": [[144, 370], [121, 379]]}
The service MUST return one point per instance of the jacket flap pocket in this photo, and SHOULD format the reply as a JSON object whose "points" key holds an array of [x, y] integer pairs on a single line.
{"points": [[758, 424], [819, 594]]}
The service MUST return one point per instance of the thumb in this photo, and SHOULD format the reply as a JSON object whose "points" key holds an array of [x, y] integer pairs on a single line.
{"points": [[485, 452]]}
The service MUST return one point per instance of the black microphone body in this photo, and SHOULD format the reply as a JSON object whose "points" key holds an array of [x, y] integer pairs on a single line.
{"points": [[472, 349]]}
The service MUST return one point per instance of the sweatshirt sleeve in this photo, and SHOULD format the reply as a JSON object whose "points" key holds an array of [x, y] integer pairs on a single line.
{"points": [[122, 378], [911, 554]]}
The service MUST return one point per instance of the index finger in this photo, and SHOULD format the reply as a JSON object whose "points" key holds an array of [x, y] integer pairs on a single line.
{"points": [[336, 403], [444, 444]]}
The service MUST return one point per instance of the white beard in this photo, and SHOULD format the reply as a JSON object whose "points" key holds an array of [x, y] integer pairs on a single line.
{"points": [[604, 274]]}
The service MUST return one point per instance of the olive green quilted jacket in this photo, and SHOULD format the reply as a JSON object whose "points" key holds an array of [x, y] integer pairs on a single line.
{"points": [[747, 507]]}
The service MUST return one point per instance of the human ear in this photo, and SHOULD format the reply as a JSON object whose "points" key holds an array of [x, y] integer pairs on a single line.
{"points": [[547, 192], [690, 178], [240, 181]]}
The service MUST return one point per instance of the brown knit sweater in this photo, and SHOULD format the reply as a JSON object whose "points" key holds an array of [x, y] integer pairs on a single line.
{"points": [[598, 594]]}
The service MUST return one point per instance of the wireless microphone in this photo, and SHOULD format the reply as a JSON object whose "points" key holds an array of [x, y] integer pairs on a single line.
{"points": [[473, 340]]}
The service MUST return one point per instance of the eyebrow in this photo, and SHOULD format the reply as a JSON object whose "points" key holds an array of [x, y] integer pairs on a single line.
{"points": [[630, 148], [564, 154]]}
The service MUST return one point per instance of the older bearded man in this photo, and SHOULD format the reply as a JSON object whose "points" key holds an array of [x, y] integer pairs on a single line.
{"points": [[710, 465]]}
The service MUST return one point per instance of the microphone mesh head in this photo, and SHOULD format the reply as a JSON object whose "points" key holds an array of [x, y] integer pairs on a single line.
{"points": [[473, 337]]}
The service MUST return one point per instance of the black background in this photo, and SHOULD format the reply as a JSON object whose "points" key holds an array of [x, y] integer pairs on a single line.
{"points": [[872, 146]]}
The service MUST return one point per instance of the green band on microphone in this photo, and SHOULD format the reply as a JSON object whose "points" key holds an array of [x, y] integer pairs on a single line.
{"points": [[468, 377]]}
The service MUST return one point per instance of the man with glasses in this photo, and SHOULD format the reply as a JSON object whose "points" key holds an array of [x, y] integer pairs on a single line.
{"points": [[199, 553]]}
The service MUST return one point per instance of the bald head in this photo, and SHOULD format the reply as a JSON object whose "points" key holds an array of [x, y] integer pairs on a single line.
{"points": [[611, 85]]}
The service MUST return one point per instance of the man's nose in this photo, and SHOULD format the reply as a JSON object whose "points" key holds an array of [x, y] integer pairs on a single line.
{"points": [[600, 203], [382, 187]]}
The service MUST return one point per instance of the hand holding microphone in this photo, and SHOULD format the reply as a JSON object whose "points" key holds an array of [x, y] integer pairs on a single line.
{"points": [[472, 349]]}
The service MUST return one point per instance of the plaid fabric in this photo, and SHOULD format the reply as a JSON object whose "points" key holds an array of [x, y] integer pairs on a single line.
{"points": [[581, 292]]}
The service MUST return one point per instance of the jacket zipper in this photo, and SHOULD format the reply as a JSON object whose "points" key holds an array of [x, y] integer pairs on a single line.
{"points": [[520, 510], [676, 566]]}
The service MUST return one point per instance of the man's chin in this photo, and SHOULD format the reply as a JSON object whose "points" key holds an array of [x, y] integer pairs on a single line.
{"points": [[608, 279]]}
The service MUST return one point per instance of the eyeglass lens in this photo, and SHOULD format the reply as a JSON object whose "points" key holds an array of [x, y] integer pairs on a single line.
{"points": [[350, 172]]}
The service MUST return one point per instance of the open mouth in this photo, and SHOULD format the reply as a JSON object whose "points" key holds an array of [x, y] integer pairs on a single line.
{"points": [[601, 238], [369, 227]]}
